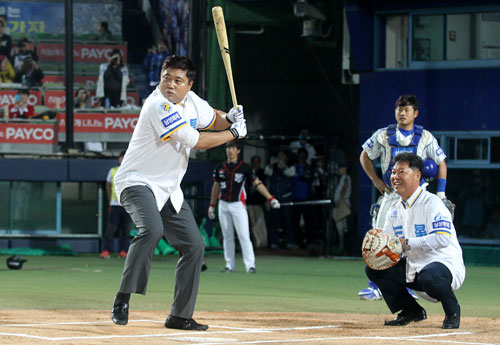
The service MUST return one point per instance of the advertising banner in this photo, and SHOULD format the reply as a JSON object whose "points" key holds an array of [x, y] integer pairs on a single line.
{"points": [[100, 123], [94, 53], [27, 133], [35, 19], [8, 97]]}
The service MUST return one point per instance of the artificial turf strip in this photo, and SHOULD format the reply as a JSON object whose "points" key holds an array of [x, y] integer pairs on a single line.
{"points": [[286, 284]]}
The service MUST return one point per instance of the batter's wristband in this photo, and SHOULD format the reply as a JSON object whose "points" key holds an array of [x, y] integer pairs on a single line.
{"points": [[441, 184], [271, 199], [227, 119], [212, 205], [234, 132]]}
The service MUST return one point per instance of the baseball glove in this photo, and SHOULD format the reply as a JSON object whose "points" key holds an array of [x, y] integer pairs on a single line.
{"points": [[381, 250], [450, 206]]}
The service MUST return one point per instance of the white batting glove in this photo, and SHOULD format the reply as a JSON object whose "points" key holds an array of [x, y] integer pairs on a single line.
{"points": [[441, 195], [235, 114], [239, 129], [211, 212], [274, 203]]}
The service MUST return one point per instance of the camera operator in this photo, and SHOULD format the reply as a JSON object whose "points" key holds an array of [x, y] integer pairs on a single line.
{"points": [[113, 81]]}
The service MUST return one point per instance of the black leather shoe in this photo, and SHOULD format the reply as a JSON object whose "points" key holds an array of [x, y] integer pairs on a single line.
{"points": [[405, 318], [452, 321], [119, 313], [185, 324]]}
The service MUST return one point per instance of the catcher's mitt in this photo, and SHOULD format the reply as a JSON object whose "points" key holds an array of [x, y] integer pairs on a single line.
{"points": [[381, 250]]}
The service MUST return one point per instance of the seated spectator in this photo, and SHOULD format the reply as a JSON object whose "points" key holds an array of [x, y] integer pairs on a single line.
{"points": [[82, 99], [156, 63], [7, 73], [5, 42], [3, 19], [103, 32], [29, 74], [23, 52], [21, 109], [113, 80]]}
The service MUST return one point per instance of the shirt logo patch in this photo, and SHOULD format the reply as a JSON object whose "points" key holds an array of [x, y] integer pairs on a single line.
{"points": [[170, 119], [394, 214], [166, 107], [439, 216], [420, 230], [398, 150], [441, 224], [238, 177], [193, 122], [369, 143], [439, 151]]}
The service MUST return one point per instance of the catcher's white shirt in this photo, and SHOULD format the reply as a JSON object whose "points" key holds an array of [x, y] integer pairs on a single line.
{"points": [[422, 219], [158, 152], [378, 146]]}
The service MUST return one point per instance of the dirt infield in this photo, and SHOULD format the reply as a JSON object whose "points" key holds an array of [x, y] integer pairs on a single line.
{"points": [[146, 327]]}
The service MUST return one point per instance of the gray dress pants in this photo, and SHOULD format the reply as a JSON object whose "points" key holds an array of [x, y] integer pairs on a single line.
{"points": [[181, 232]]}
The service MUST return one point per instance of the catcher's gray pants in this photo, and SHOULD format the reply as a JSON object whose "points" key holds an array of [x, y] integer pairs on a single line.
{"points": [[182, 233]]}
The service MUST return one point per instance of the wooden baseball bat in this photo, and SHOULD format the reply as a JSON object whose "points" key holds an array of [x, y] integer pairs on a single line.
{"points": [[220, 29]]}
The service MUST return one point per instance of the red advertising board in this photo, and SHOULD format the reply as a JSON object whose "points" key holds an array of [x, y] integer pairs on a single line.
{"points": [[54, 52], [8, 97], [27, 133], [100, 123]]}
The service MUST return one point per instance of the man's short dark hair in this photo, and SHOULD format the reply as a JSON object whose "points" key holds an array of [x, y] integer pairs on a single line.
{"points": [[413, 161], [122, 153], [182, 63], [24, 92], [407, 100], [255, 157], [234, 143], [105, 26]]}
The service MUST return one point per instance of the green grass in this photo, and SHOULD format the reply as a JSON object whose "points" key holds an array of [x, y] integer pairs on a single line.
{"points": [[286, 284]]}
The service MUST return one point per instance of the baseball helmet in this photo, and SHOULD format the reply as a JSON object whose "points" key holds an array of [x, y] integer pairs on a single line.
{"points": [[15, 262], [430, 169]]}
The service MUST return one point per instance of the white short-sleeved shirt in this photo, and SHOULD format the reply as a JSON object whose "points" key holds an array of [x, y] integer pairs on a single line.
{"points": [[158, 153], [424, 215], [378, 146]]}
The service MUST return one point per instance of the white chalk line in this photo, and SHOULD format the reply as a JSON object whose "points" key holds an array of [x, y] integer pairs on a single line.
{"points": [[234, 330], [166, 335]]}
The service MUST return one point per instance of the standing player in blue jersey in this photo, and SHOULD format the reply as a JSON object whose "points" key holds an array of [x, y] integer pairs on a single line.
{"points": [[386, 143]]}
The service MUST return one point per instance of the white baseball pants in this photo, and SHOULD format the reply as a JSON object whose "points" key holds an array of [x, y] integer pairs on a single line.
{"points": [[233, 216]]}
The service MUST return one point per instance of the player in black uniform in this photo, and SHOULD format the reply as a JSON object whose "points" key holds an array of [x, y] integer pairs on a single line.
{"points": [[229, 187]]}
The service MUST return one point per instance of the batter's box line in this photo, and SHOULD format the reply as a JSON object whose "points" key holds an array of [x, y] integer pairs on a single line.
{"points": [[72, 323], [164, 335]]}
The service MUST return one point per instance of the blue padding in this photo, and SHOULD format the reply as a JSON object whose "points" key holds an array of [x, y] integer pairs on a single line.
{"points": [[89, 169], [49, 170], [198, 171]]}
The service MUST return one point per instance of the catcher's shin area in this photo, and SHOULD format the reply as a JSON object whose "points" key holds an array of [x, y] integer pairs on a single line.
{"points": [[381, 250]]}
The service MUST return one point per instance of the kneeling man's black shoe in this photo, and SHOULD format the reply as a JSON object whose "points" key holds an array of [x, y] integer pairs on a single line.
{"points": [[185, 324], [452, 321], [405, 318], [119, 313]]}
